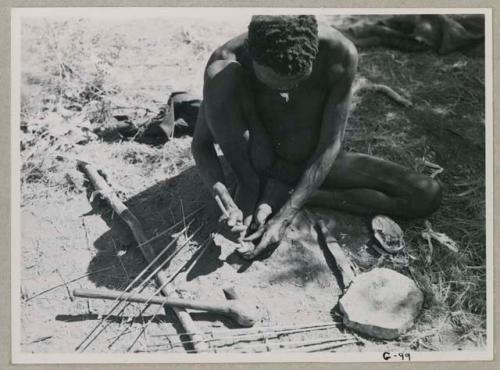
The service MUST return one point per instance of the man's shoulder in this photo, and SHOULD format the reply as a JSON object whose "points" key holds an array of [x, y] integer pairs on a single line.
{"points": [[229, 50], [336, 47], [338, 53], [228, 54]]}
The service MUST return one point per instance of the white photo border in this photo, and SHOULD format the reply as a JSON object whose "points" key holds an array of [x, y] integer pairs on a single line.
{"points": [[19, 357]]}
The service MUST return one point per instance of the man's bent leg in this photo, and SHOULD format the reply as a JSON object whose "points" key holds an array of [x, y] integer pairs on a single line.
{"points": [[365, 184]]}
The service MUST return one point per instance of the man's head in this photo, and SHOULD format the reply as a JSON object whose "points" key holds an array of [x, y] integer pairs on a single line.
{"points": [[283, 48]]}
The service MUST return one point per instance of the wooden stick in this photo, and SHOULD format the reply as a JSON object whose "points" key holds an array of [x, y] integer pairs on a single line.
{"points": [[146, 249], [147, 305], [365, 84], [299, 345], [271, 328], [343, 263], [158, 291], [319, 347], [259, 335], [130, 285], [221, 206], [242, 313]]}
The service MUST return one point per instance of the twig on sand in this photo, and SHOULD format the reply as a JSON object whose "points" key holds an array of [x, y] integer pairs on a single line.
{"points": [[122, 107], [71, 298], [437, 169], [86, 235], [38, 340], [67, 282]]}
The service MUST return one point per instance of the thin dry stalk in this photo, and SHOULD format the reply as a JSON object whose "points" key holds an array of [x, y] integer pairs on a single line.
{"points": [[251, 337], [129, 286], [67, 282], [148, 278], [260, 329], [321, 347], [71, 298], [158, 291], [294, 345], [147, 305]]}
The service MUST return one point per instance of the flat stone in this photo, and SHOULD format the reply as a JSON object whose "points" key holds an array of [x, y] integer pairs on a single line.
{"points": [[381, 303]]}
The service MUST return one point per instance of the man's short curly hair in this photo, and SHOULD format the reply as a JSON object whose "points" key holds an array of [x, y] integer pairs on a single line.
{"points": [[286, 43]]}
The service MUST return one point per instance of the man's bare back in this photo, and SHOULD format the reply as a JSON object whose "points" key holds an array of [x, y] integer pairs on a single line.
{"points": [[281, 131]]}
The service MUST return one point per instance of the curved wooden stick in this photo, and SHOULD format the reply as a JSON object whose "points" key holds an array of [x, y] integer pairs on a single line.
{"points": [[121, 209], [365, 84], [243, 314]]}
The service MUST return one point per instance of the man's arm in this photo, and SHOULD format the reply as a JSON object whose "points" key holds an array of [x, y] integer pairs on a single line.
{"points": [[332, 131], [331, 135], [209, 166], [220, 76]]}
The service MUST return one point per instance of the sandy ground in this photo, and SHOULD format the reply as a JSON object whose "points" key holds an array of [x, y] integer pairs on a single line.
{"points": [[65, 235]]}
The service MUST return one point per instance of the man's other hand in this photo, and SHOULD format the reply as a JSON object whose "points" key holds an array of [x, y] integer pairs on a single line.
{"points": [[270, 233]]}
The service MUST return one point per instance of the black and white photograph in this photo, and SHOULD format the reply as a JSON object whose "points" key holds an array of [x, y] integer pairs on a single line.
{"points": [[251, 184]]}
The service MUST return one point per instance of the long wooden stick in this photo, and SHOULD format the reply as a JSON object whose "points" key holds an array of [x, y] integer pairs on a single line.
{"points": [[260, 335], [295, 346], [241, 313], [147, 305], [130, 285], [159, 289], [322, 347], [343, 264], [146, 249], [257, 329]]}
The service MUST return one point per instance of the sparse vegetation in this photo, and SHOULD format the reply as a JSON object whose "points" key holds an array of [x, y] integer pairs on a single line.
{"points": [[78, 75]]}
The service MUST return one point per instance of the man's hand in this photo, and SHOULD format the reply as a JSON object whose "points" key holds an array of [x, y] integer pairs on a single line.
{"points": [[270, 233], [261, 215], [233, 219]]}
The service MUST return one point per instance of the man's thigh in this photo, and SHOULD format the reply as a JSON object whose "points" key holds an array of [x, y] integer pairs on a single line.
{"points": [[362, 171]]}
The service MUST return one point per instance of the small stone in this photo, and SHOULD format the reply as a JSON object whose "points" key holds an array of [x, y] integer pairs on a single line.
{"points": [[381, 303]]}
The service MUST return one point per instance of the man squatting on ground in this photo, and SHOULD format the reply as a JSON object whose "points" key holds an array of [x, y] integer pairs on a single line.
{"points": [[276, 100]]}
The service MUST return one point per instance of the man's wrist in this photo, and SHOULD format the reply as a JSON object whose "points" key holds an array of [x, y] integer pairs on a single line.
{"points": [[287, 213]]}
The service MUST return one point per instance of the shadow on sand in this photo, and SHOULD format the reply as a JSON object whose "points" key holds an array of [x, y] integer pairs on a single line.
{"points": [[164, 204], [158, 208]]}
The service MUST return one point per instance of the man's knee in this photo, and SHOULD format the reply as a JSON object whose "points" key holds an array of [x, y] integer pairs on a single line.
{"points": [[426, 196]]}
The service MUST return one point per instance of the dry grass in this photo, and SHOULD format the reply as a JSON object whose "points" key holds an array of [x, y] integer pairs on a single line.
{"points": [[445, 126], [76, 76]]}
